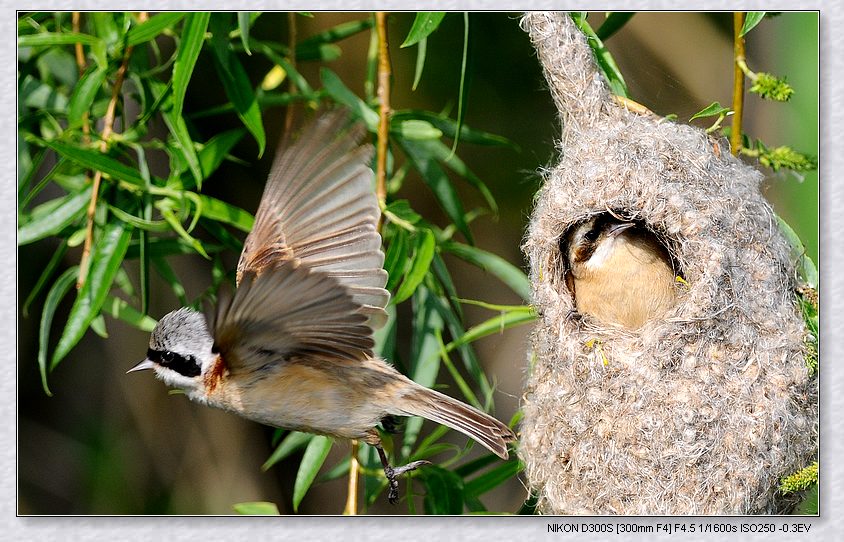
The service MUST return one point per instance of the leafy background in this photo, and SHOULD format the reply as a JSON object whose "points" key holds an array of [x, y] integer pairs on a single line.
{"points": [[102, 432]]}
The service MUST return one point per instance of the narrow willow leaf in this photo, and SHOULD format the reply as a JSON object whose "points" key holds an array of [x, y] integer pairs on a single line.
{"points": [[444, 495], [426, 245], [712, 110], [467, 392], [151, 28], [83, 95], [106, 257], [146, 225], [288, 69], [243, 23], [395, 259], [224, 212], [421, 50], [121, 310], [752, 18], [98, 326], [424, 351], [613, 23], [178, 128], [416, 129], [492, 479], [193, 36], [461, 94], [179, 229], [294, 441], [315, 454], [342, 31], [55, 259], [805, 266], [449, 128], [256, 509], [439, 183], [506, 272], [62, 213], [97, 161], [49, 39], [337, 90], [475, 465], [54, 297], [166, 272], [423, 25], [438, 150], [236, 83], [494, 325]]}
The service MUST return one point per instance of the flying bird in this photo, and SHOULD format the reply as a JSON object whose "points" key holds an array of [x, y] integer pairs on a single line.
{"points": [[293, 346]]}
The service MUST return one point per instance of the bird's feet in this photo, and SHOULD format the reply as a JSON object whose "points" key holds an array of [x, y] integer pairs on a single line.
{"points": [[392, 474]]}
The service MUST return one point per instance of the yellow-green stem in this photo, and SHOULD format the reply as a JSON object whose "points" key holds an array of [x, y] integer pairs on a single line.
{"points": [[738, 83]]}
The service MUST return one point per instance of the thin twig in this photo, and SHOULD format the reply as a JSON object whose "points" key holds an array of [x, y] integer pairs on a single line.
{"points": [[108, 126], [383, 94], [81, 66], [354, 472], [738, 83]]}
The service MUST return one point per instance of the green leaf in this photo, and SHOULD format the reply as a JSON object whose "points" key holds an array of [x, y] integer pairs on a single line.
{"points": [[166, 272], [416, 129], [438, 182], [243, 23], [58, 214], [236, 83], [494, 325], [152, 27], [291, 443], [224, 212], [809, 505], [106, 257], [613, 24], [424, 351], [395, 259], [712, 110], [426, 245], [121, 310], [449, 128], [41, 96], [193, 36], [337, 90], [423, 25], [441, 152], [54, 297], [256, 509], [805, 266], [506, 272], [492, 479], [444, 491], [606, 63], [312, 461], [55, 259], [475, 465], [316, 46], [96, 161], [421, 51], [83, 95], [751, 19], [49, 39], [178, 128]]}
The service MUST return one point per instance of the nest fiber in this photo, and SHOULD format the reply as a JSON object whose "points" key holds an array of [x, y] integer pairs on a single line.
{"points": [[701, 411]]}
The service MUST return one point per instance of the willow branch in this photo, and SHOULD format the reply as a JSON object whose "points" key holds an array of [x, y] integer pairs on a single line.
{"points": [[384, 111], [80, 66], [354, 472], [738, 83], [108, 128]]}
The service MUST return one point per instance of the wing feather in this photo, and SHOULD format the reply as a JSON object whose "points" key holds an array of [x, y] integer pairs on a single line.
{"points": [[319, 210]]}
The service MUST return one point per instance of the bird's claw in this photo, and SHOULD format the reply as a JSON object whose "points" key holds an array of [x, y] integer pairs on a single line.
{"points": [[392, 474]]}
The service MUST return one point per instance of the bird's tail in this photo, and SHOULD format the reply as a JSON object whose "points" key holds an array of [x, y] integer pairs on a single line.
{"points": [[435, 406]]}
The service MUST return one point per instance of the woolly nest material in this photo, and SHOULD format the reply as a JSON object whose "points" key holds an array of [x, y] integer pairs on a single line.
{"points": [[699, 412]]}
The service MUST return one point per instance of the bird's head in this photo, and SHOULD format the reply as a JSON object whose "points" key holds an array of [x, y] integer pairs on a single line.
{"points": [[180, 350], [588, 245]]}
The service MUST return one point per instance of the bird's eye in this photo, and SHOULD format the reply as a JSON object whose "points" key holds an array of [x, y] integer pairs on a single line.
{"points": [[168, 356], [592, 235]]}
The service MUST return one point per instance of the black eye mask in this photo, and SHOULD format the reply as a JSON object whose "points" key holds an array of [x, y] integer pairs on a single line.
{"points": [[184, 365]]}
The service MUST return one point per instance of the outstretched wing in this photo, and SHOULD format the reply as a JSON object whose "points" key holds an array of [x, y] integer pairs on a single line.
{"points": [[289, 309], [319, 209]]}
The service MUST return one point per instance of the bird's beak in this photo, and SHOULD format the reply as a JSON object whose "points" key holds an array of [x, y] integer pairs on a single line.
{"points": [[618, 228], [145, 364]]}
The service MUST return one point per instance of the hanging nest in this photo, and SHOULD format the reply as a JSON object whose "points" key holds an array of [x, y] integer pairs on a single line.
{"points": [[703, 410]]}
